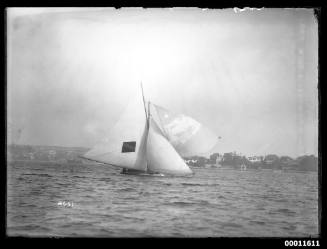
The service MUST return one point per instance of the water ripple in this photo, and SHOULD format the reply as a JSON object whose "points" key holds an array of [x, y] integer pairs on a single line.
{"points": [[214, 202]]}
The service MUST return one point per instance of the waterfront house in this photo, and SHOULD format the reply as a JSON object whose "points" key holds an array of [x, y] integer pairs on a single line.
{"points": [[255, 159]]}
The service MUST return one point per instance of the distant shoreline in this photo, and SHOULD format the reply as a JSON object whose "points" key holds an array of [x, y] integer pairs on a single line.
{"points": [[71, 156]]}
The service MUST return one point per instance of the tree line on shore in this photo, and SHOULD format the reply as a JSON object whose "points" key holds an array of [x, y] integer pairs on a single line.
{"points": [[45, 153], [271, 161]]}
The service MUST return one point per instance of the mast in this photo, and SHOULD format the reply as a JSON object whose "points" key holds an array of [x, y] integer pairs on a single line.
{"points": [[146, 114]]}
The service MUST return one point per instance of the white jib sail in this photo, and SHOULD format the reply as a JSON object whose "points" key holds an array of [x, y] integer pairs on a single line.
{"points": [[125, 145], [161, 156], [185, 134]]}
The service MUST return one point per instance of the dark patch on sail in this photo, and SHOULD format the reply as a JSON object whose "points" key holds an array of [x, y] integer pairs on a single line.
{"points": [[128, 147]]}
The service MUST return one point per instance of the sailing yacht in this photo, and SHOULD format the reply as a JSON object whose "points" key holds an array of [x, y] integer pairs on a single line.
{"points": [[148, 139]]}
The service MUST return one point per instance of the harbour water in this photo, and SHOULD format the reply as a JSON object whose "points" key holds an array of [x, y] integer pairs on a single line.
{"points": [[213, 203]]}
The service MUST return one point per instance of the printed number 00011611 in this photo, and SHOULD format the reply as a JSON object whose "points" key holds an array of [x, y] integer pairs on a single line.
{"points": [[302, 243]]}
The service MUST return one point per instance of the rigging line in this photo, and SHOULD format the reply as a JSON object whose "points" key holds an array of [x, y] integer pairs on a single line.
{"points": [[116, 165], [103, 154]]}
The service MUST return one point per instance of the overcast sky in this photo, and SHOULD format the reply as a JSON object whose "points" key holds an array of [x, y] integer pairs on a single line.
{"points": [[250, 76]]}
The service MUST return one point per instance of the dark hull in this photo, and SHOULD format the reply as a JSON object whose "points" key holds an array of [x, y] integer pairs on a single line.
{"points": [[139, 172]]}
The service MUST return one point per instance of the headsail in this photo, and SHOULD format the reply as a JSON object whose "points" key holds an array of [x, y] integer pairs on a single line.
{"points": [[161, 156], [126, 144], [186, 135]]}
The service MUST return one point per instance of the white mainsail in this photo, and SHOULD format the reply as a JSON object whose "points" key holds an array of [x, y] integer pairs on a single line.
{"points": [[152, 141], [125, 146], [185, 134]]}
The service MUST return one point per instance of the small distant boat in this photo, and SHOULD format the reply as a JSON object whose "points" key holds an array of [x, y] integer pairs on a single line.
{"points": [[243, 167], [150, 140]]}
